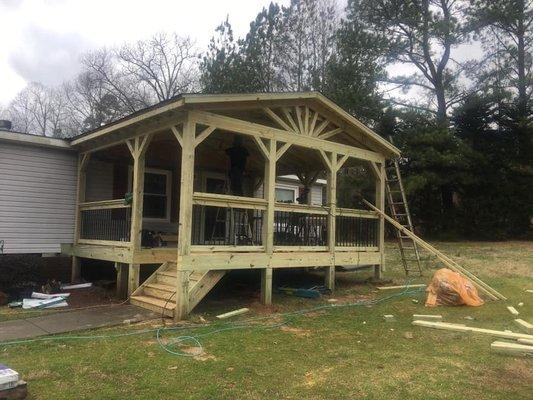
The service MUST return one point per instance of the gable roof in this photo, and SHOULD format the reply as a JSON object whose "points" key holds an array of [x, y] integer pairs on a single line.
{"points": [[206, 101]]}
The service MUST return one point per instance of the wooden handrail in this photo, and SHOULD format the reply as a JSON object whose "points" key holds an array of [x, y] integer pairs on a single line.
{"points": [[228, 201], [302, 208], [103, 205]]}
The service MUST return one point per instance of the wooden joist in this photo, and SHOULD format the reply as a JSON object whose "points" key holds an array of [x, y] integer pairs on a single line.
{"points": [[462, 328], [512, 348], [448, 262]]}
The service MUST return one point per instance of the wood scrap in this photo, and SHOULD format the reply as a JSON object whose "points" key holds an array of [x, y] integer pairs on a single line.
{"points": [[233, 313], [401, 287], [524, 325], [525, 341], [513, 310], [512, 348], [427, 317], [464, 328]]}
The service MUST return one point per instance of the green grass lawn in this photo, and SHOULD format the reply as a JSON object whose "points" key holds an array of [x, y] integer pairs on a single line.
{"points": [[338, 353]]}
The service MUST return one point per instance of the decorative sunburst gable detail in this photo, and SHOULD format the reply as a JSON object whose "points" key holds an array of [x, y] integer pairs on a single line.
{"points": [[302, 120]]}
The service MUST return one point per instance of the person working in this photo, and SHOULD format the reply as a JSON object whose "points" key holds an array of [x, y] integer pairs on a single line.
{"points": [[237, 156]]}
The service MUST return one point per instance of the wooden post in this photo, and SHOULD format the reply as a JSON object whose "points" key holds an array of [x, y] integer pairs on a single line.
{"points": [[137, 147], [332, 202], [122, 280], [268, 226], [83, 161], [380, 203], [185, 218]]}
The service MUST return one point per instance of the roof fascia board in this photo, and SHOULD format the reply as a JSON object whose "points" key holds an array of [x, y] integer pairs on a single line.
{"points": [[28, 139]]}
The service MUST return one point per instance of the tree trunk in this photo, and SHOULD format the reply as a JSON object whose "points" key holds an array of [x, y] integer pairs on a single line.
{"points": [[522, 84]]}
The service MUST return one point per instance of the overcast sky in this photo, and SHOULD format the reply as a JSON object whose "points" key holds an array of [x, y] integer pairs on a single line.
{"points": [[43, 39]]}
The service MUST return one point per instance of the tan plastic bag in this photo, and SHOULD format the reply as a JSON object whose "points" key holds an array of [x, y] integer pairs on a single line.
{"points": [[453, 289]]}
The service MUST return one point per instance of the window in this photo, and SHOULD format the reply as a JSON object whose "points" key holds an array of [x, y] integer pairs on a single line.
{"points": [[157, 194], [286, 194]]}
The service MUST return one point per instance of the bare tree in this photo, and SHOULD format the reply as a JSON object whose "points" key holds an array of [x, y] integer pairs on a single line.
{"points": [[165, 65]]}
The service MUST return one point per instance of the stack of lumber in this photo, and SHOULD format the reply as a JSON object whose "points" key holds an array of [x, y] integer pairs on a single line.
{"points": [[522, 346]]}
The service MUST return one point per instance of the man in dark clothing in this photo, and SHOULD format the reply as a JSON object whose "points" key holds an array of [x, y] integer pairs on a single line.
{"points": [[237, 156]]}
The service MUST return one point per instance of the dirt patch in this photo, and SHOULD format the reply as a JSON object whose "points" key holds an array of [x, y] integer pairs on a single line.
{"points": [[39, 374], [353, 298], [314, 378], [198, 354], [296, 331]]}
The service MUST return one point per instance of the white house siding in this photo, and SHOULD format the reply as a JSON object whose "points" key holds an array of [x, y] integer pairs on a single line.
{"points": [[37, 198]]}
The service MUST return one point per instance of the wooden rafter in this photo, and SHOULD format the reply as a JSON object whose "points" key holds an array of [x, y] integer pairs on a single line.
{"points": [[288, 115], [330, 133], [276, 118], [282, 150], [320, 127], [262, 147]]}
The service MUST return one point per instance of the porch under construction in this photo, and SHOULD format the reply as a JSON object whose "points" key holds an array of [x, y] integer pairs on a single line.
{"points": [[152, 190]]}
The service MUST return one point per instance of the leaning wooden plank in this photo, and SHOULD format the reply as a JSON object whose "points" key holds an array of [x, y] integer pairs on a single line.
{"points": [[427, 317], [524, 325], [525, 341], [400, 287], [233, 313], [485, 288], [512, 348], [513, 310], [461, 328]]}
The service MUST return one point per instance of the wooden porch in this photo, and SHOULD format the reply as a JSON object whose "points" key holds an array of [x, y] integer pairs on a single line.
{"points": [[206, 231]]}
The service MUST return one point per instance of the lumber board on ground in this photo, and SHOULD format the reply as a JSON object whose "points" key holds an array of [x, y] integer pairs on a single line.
{"points": [[525, 341], [233, 313], [400, 287], [427, 317], [511, 348], [461, 328], [513, 310], [524, 325], [485, 288]]}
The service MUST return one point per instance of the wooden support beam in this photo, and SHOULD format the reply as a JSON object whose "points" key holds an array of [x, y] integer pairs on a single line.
{"points": [[253, 129], [276, 118], [122, 280], [448, 262], [299, 119], [203, 135], [524, 325], [330, 133], [185, 218], [178, 134], [326, 160], [81, 183], [266, 286], [306, 120], [262, 147], [332, 216], [282, 150], [380, 203], [313, 123], [341, 161], [320, 127], [289, 117], [512, 348], [133, 277]]}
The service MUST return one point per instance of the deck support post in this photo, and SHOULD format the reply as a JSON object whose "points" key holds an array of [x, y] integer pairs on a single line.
{"points": [[133, 277], [83, 161], [269, 183], [331, 162], [122, 280], [185, 217], [380, 203]]}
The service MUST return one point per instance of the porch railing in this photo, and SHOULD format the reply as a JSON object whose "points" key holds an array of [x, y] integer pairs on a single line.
{"points": [[223, 220], [105, 221], [300, 225], [356, 229]]}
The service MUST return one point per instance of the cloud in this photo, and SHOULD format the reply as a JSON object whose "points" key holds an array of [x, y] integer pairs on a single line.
{"points": [[48, 57]]}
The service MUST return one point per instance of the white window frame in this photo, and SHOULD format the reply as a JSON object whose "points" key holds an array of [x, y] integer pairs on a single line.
{"points": [[168, 194], [294, 188]]}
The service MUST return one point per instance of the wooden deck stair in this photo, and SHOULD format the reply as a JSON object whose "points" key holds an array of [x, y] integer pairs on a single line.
{"points": [[158, 292]]}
